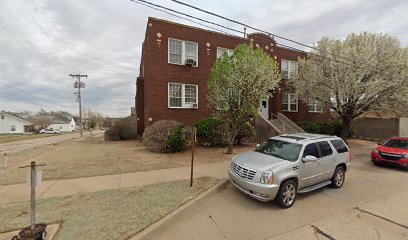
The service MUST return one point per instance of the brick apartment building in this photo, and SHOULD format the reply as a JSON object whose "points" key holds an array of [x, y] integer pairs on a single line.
{"points": [[176, 64]]}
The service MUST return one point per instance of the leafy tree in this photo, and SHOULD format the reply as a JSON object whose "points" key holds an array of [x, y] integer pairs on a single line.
{"points": [[364, 72], [238, 82]]}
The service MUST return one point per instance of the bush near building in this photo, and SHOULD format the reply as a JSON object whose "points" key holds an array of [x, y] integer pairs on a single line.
{"points": [[166, 136], [214, 132], [125, 129]]}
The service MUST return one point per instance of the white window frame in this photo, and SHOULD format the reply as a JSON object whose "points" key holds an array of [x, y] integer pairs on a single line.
{"points": [[183, 52], [290, 96], [227, 50], [183, 96], [12, 128], [315, 107], [290, 63]]}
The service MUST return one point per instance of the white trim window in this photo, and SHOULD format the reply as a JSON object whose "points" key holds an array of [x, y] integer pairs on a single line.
{"points": [[182, 95], [289, 102], [288, 68], [180, 51], [315, 107], [221, 50], [13, 128]]}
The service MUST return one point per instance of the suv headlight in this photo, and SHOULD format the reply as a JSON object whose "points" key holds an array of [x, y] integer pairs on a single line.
{"points": [[267, 177]]}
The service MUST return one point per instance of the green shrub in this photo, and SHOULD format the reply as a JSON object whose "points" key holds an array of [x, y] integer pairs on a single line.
{"points": [[166, 136], [212, 132], [111, 134], [176, 140], [333, 127], [246, 133]]}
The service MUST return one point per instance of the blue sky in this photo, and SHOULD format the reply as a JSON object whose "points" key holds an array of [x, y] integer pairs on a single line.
{"points": [[43, 41]]}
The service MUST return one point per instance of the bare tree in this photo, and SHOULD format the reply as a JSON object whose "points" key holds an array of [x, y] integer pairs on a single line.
{"points": [[94, 119], [42, 122]]}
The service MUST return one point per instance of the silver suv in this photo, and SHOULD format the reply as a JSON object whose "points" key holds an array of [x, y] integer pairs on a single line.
{"points": [[289, 164]]}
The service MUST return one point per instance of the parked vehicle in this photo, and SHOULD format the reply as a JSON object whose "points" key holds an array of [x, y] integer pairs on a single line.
{"points": [[289, 164], [49, 131], [394, 151]]}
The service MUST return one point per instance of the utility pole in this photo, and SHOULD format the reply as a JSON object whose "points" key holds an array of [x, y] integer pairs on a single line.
{"points": [[78, 84]]}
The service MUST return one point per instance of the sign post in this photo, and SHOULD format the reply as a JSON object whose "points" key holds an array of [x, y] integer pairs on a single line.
{"points": [[192, 154]]}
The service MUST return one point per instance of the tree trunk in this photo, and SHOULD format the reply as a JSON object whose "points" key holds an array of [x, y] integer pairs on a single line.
{"points": [[345, 132], [230, 148]]}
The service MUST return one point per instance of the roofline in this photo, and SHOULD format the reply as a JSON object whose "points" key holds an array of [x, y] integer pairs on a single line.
{"points": [[196, 28], [223, 34], [15, 117]]}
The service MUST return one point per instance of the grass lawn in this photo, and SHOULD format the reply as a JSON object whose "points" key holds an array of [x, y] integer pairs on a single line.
{"points": [[112, 214], [95, 157], [5, 138]]}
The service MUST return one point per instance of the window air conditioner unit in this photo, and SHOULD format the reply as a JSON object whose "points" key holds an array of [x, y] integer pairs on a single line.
{"points": [[190, 62], [195, 105]]}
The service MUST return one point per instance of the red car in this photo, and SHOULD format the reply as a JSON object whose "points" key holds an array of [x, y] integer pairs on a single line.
{"points": [[394, 151]]}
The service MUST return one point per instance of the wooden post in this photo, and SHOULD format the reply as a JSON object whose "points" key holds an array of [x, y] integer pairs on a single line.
{"points": [[33, 178], [192, 155]]}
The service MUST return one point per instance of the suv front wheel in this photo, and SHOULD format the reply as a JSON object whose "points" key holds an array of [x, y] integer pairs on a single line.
{"points": [[338, 177], [287, 194]]}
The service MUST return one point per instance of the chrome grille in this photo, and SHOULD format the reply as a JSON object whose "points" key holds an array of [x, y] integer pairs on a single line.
{"points": [[243, 172]]}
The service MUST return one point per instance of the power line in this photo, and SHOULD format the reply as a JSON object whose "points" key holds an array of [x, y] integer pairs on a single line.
{"points": [[31, 95], [256, 29], [174, 15], [187, 15], [293, 48]]}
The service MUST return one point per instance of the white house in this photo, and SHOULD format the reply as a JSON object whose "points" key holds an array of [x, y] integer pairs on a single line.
{"points": [[10, 123], [63, 125]]}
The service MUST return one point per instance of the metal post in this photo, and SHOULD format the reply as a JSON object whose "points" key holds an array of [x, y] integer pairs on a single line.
{"points": [[192, 155], [32, 195], [5, 160]]}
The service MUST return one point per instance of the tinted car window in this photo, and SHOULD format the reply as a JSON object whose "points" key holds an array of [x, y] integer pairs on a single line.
{"points": [[280, 149], [339, 146], [325, 149], [396, 143], [311, 150]]}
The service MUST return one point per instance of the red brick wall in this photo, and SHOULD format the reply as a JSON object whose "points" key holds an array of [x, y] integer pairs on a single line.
{"points": [[158, 72]]}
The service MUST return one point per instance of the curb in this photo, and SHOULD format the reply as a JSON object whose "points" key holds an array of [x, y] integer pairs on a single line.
{"points": [[145, 233]]}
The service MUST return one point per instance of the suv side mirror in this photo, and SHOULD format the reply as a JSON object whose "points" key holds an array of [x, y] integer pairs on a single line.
{"points": [[258, 145], [309, 158]]}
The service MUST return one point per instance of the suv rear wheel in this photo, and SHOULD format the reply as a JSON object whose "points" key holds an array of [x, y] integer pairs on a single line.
{"points": [[287, 194], [338, 177]]}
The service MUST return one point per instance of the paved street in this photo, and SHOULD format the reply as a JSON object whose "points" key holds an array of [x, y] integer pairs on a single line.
{"points": [[371, 205], [22, 145]]}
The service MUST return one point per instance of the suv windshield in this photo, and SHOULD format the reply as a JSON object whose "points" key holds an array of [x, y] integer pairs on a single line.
{"points": [[395, 143], [280, 149]]}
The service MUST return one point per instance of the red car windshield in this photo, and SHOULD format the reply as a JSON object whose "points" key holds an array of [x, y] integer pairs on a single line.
{"points": [[396, 143]]}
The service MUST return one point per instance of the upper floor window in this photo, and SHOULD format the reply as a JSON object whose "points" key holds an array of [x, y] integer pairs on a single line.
{"points": [[289, 102], [221, 50], [183, 52], [315, 106], [183, 95], [288, 68]]}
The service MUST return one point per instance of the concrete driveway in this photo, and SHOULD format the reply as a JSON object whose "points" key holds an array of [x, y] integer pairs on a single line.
{"points": [[371, 205]]}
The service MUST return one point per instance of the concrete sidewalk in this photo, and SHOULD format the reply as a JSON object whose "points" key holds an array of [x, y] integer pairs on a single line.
{"points": [[52, 188]]}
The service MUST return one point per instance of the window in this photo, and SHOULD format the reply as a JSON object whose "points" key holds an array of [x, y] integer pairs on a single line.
{"points": [[289, 103], [220, 51], [315, 106], [280, 149], [2, 116], [311, 150], [325, 149], [180, 51], [183, 95], [339, 146], [12, 128], [288, 68]]}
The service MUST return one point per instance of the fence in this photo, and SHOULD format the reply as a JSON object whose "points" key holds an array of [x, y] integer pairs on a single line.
{"points": [[380, 128]]}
